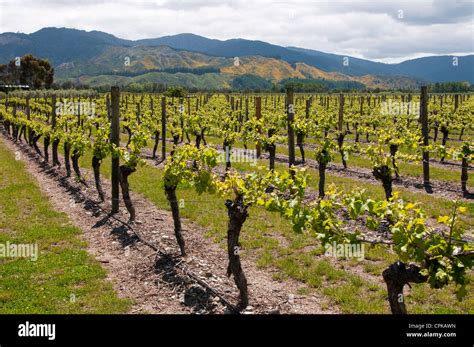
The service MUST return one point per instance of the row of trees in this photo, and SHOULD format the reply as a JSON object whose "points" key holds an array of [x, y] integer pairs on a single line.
{"points": [[450, 87]]}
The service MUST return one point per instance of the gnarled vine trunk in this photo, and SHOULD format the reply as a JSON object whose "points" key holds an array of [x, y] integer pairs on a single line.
{"points": [[464, 176], [15, 132], [129, 132], [198, 140], [75, 165], [56, 161], [47, 141], [171, 196], [25, 135], [22, 133], [393, 153], [126, 171], [340, 142], [271, 152], [175, 143], [157, 140], [322, 178], [271, 148], [67, 163], [98, 185], [203, 138], [34, 143], [396, 276], [6, 125], [300, 144], [382, 173], [237, 213], [444, 140], [435, 135], [227, 150]]}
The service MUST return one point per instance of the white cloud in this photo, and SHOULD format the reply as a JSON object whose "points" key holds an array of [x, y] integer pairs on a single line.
{"points": [[368, 29]]}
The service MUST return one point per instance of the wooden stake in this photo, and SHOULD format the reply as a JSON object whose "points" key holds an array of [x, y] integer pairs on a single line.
{"points": [[290, 107], [163, 127], [258, 114], [115, 140], [425, 131]]}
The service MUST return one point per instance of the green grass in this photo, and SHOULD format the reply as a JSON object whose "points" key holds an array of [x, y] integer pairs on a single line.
{"points": [[65, 278], [270, 240]]}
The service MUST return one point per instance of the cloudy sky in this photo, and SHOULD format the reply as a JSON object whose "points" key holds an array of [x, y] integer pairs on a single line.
{"points": [[382, 30]]}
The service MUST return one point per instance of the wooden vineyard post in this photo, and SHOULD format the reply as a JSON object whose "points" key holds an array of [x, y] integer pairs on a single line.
{"points": [[163, 127], [107, 103], [138, 114], [181, 111], [258, 114], [246, 109], [361, 112], [27, 134], [291, 133], [341, 113], [341, 135], [409, 104], [28, 110], [115, 140], [47, 137], [53, 126], [425, 133]]}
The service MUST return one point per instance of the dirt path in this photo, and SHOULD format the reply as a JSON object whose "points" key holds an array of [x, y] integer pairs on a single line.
{"points": [[156, 283]]}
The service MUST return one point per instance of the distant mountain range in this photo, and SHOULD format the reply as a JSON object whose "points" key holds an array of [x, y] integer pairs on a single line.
{"points": [[97, 58]]}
